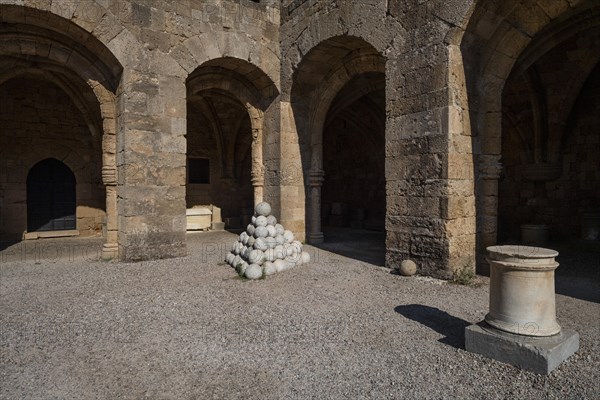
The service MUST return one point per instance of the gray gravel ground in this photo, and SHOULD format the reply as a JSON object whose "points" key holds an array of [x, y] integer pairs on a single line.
{"points": [[75, 327]]}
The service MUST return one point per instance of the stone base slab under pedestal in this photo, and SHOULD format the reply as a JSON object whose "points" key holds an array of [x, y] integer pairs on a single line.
{"points": [[538, 354]]}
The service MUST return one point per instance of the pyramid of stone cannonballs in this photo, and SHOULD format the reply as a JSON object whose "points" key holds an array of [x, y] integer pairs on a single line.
{"points": [[265, 248]]}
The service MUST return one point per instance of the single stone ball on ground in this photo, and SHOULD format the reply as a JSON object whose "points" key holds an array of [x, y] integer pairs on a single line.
{"points": [[254, 271], [250, 229], [261, 232], [256, 257], [408, 268], [305, 257], [288, 236], [271, 220], [261, 220], [263, 209], [280, 265], [271, 230], [260, 244], [279, 229], [280, 239], [269, 268]]}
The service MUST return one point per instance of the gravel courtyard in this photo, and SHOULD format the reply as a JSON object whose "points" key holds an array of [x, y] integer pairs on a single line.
{"points": [[73, 326]]}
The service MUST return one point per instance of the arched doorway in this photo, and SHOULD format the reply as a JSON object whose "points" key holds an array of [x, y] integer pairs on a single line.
{"points": [[62, 107], [338, 98], [51, 197]]}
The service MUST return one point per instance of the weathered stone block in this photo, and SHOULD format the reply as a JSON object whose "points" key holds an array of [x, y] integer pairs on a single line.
{"points": [[538, 354]]}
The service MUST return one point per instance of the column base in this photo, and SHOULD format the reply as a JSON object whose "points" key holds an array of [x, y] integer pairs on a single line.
{"points": [[316, 238], [110, 251], [537, 354]]}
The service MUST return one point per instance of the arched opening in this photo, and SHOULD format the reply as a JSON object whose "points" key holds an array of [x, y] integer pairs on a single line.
{"points": [[57, 89], [338, 98], [51, 197], [227, 100], [551, 144], [532, 107]]}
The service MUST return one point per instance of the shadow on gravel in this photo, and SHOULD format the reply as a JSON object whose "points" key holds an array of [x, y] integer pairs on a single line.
{"points": [[451, 327]]}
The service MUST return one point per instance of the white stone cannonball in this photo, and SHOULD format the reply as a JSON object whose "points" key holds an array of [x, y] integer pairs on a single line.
{"points": [[297, 246], [251, 241], [261, 220], [253, 219], [245, 252], [280, 265], [254, 271], [291, 262], [241, 268], [236, 261], [229, 259], [271, 220], [260, 244], [280, 239], [280, 229], [250, 229], [233, 246], [305, 257], [256, 257], [279, 252], [245, 240], [271, 242], [261, 232], [288, 236], [270, 255], [408, 268], [263, 209], [269, 268], [237, 248], [271, 230]]}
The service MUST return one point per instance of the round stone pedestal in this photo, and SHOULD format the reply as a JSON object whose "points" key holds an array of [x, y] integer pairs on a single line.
{"points": [[522, 290]]}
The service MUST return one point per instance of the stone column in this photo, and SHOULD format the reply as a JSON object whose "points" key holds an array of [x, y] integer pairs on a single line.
{"points": [[258, 175], [315, 182], [258, 182], [110, 249]]}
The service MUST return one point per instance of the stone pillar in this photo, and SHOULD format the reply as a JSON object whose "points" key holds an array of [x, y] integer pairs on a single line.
{"points": [[315, 182], [258, 183], [258, 175], [110, 249]]}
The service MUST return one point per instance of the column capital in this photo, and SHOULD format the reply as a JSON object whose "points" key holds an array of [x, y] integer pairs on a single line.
{"points": [[109, 176]]}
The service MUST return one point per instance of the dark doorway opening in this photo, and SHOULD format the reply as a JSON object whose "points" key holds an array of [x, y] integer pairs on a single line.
{"points": [[51, 203]]}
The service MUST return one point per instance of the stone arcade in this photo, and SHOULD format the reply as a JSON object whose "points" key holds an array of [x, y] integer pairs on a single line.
{"points": [[447, 125]]}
